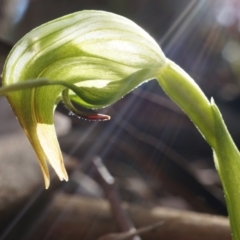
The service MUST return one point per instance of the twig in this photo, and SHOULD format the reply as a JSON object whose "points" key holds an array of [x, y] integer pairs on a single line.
{"points": [[107, 182], [127, 235]]}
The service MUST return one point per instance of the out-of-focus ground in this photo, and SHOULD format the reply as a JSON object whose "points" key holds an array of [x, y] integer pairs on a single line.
{"points": [[163, 168]]}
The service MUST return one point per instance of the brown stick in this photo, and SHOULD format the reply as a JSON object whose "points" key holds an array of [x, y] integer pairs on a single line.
{"points": [[74, 217], [107, 182], [129, 234]]}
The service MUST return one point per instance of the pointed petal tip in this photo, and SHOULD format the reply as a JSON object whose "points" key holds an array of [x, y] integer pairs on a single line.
{"points": [[47, 183], [50, 147], [66, 178], [46, 176], [64, 175], [45, 172]]}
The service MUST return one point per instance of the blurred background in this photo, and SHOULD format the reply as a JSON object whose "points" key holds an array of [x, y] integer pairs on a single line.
{"points": [[149, 149]]}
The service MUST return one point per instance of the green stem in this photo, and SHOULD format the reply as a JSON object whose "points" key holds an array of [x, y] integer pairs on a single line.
{"points": [[183, 90], [227, 161], [33, 83], [23, 85], [205, 115]]}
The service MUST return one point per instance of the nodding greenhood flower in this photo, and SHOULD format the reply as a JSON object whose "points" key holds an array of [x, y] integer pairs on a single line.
{"points": [[94, 58], [98, 55]]}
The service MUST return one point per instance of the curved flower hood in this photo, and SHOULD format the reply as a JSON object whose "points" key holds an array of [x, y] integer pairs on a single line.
{"points": [[101, 56]]}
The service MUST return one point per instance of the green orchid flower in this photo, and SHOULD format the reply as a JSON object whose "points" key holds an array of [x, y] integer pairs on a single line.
{"points": [[94, 54], [94, 58]]}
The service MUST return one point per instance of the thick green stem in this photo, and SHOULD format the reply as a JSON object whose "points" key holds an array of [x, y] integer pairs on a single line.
{"points": [[183, 90], [227, 161]]}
